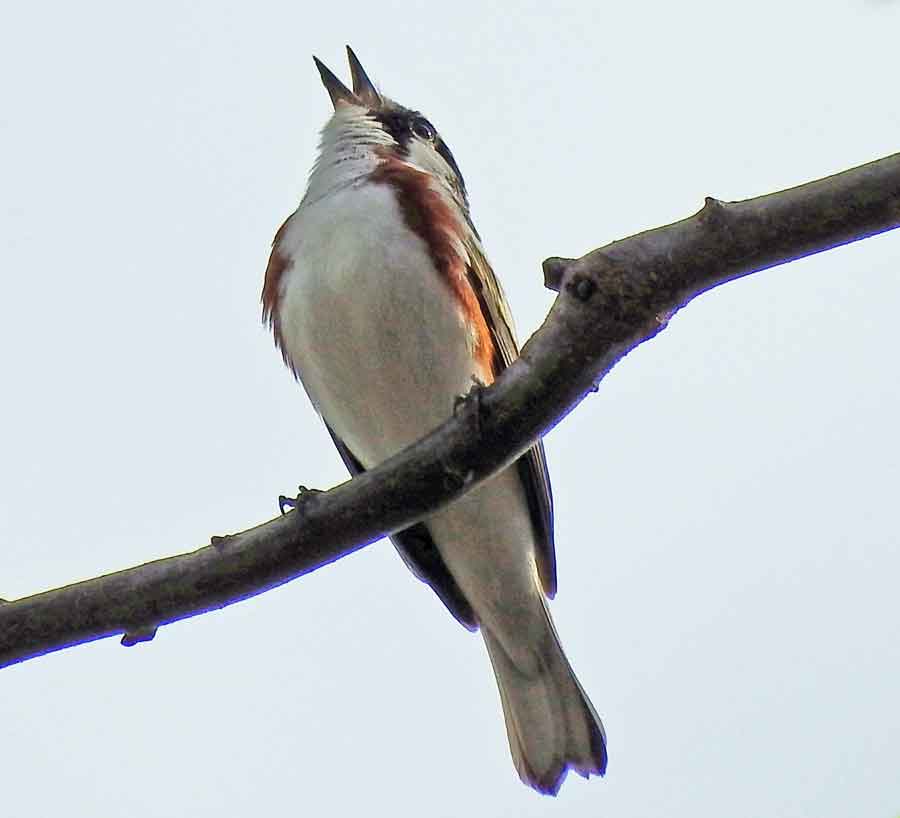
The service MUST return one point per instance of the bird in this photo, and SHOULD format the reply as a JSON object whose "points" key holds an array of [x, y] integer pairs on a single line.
{"points": [[385, 308]]}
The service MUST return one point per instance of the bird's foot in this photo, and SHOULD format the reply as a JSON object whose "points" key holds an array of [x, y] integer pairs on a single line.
{"points": [[471, 398], [286, 504]]}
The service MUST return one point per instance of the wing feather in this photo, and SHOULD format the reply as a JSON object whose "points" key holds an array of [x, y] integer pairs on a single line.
{"points": [[532, 465], [417, 548]]}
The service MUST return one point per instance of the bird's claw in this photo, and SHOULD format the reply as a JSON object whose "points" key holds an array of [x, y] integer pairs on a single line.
{"points": [[473, 396], [286, 504]]}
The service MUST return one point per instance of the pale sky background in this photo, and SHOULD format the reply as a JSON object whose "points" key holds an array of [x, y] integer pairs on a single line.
{"points": [[727, 504]]}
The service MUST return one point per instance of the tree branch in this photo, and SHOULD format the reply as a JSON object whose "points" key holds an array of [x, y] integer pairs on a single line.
{"points": [[610, 301]]}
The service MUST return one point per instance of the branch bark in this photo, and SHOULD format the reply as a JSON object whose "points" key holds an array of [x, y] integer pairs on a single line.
{"points": [[609, 301]]}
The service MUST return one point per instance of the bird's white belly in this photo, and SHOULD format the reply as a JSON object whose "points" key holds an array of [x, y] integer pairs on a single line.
{"points": [[377, 337], [382, 347]]}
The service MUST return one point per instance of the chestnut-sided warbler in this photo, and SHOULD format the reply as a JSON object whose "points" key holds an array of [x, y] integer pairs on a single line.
{"points": [[384, 306]]}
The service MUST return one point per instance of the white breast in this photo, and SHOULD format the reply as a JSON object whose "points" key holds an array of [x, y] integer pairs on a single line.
{"points": [[382, 347], [376, 336]]}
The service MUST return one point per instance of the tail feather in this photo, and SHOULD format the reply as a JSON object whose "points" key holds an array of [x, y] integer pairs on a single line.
{"points": [[550, 722]]}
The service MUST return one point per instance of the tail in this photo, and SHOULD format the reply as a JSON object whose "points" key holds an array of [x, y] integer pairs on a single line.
{"points": [[550, 722]]}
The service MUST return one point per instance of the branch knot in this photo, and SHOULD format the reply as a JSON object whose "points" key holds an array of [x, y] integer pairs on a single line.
{"points": [[582, 287]]}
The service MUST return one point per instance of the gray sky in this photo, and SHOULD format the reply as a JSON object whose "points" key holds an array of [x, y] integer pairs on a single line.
{"points": [[726, 504]]}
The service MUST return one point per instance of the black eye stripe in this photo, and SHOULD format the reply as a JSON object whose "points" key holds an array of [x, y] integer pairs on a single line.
{"points": [[400, 122], [396, 123]]}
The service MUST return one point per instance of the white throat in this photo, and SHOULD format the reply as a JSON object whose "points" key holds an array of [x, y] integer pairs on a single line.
{"points": [[346, 152]]}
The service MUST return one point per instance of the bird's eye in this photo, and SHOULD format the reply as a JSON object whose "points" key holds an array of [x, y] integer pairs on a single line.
{"points": [[423, 129]]}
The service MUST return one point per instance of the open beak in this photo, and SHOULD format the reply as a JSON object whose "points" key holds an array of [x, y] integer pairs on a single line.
{"points": [[364, 92], [336, 89], [363, 87]]}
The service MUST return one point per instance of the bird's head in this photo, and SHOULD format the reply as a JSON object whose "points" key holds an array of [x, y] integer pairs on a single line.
{"points": [[369, 127]]}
